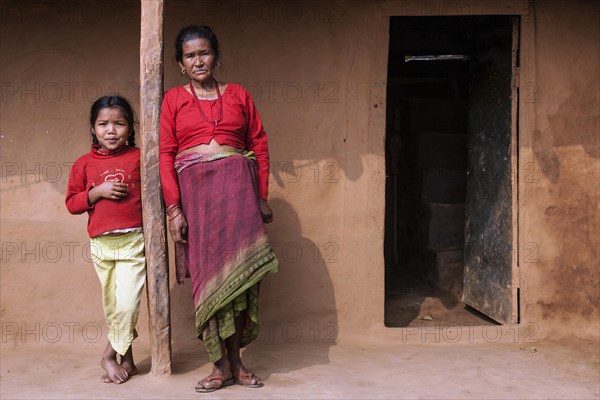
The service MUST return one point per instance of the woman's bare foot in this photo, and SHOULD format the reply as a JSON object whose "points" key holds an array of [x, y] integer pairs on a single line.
{"points": [[114, 372]]}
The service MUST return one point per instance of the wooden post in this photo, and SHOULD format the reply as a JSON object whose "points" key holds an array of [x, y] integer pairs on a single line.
{"points": [[151, 90]]}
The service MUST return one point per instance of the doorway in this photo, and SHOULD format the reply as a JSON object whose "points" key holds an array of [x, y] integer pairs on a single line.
{"points": [[450, 133]]}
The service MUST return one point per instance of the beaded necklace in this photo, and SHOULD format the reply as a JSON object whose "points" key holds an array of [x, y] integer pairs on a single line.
{"points": [[219, 100]]}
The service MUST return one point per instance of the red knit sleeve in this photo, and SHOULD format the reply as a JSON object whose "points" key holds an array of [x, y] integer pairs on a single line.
{"points": [[256, 140], [77, 190], [168, 149]]}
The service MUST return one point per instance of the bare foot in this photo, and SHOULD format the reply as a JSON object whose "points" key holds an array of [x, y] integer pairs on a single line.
{"points": [[130, 368], [114, 372], [127, 362]]}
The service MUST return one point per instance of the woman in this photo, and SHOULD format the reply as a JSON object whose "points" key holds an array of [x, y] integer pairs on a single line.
{"points": [[214, 166]]}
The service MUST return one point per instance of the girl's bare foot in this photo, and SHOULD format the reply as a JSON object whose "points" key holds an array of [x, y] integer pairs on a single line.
{"points": [[114, 372], [127, 362]]}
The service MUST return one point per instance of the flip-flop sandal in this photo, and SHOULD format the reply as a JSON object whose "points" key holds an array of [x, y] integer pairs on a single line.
{"points": [[248, 376], [200, 386]]}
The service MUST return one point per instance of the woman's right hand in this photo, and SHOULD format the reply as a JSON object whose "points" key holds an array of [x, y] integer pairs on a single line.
{"points": [[178, 228]]}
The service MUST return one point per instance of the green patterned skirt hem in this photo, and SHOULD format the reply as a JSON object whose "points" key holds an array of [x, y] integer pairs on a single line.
{"points": [[221, 324]]}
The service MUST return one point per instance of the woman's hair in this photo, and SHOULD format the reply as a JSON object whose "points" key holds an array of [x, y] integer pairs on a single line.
{"points": [[114, 102], [196, 32]]}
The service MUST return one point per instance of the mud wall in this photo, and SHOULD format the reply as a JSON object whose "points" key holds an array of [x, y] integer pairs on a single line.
{"points": [[559, 169], [317, 71]]}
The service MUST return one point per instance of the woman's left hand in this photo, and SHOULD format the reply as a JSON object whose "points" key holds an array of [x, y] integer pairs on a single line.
{"points": [[265, 211]]}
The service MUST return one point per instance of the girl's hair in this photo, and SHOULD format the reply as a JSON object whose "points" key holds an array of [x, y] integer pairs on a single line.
{"points": [[196, 32], [112, 102]]}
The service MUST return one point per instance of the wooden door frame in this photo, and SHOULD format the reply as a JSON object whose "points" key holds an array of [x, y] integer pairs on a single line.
{"points": [[524, 80]]}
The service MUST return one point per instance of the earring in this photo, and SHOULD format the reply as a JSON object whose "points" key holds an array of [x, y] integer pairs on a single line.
{"points": [[183, 71], [218, 64]]}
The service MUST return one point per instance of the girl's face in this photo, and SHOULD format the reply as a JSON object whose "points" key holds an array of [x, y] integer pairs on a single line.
{"points": [[111, 129], [199, 60]]}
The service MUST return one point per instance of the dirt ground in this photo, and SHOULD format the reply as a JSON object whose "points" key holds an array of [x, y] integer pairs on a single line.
{"points": [[407, 363]]}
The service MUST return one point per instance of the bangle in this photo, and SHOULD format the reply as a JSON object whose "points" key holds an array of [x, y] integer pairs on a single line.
{"points": [[172, 206], [173, 209], [171, 218]]}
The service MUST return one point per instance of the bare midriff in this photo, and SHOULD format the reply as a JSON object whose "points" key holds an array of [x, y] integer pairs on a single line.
{"points": [[211, 148]]}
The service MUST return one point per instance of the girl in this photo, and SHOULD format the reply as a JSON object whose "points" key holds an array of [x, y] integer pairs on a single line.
{"points": [[106, 183]]}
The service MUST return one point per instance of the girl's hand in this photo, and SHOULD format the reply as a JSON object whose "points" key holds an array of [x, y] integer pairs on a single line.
{"points": [[113, 190], [265, 211], [178, 228]]}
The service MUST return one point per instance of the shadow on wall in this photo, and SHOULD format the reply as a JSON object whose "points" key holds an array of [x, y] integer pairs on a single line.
{"points": [[572, 122], [297, 305]]}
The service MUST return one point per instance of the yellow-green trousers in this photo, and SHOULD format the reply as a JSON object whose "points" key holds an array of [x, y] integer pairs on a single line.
{"points": [[121, 266]]}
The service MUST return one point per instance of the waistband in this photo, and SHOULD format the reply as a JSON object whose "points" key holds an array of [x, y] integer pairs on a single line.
{"points": [[187, 160]]}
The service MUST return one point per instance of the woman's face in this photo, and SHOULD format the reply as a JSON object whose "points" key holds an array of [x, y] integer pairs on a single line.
{"points": [[199, 60]]}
